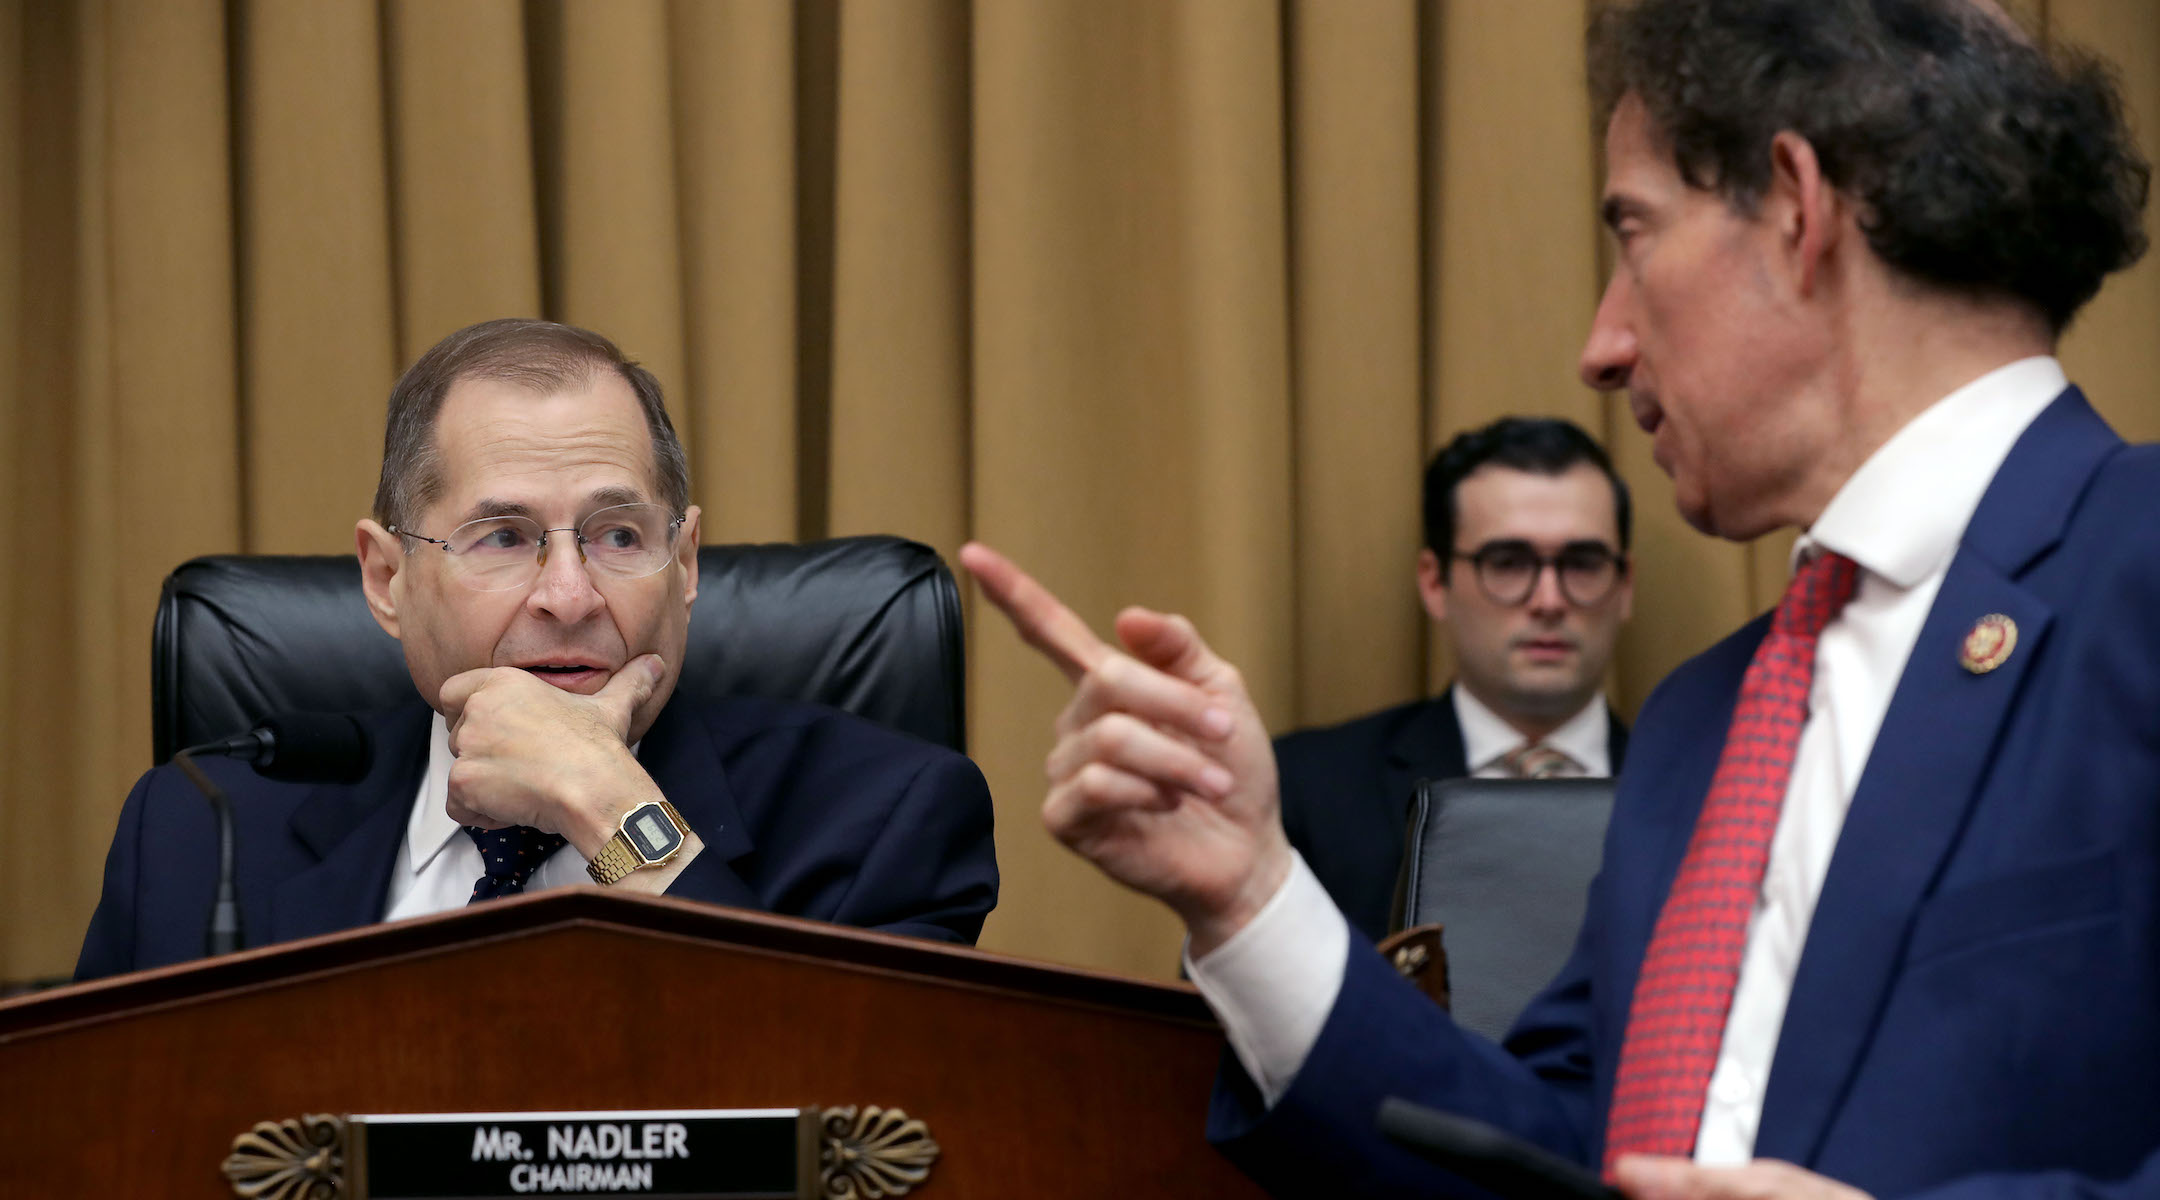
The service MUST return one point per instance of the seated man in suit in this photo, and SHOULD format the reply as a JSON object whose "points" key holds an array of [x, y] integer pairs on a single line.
{"points": [[1879, 910], [534, 550], [1525, 572]]}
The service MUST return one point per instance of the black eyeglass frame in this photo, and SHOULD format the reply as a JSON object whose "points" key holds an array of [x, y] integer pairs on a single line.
{"points": [[1481, 561], [540, 550]]}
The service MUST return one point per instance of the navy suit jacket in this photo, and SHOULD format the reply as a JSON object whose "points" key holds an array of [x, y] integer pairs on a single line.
{"points": [[1346, 793], [1977, 1007], [803, 811]]}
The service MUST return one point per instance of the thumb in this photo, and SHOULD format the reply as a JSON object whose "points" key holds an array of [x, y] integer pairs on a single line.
{"points": [[633, 685], [1654, 1177], [1169, 643]]}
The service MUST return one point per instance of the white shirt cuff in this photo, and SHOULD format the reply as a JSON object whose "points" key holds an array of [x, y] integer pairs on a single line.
{"points": [[1274, 982]]}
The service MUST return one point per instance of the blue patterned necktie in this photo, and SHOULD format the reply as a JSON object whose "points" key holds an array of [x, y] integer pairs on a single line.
{"points": [[509, 856]]}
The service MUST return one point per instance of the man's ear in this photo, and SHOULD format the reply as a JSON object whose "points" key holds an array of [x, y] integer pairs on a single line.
{"points": [[686, 548], [1807, 213], [382, 563], [1431, 588]]}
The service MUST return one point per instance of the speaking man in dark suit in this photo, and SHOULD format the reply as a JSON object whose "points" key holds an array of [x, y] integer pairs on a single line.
{"points": [[1525, 572], [534, 550], [1879, 911]]}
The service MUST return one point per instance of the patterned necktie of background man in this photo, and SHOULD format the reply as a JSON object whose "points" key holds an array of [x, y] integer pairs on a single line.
{"points": [[1533, 761]]}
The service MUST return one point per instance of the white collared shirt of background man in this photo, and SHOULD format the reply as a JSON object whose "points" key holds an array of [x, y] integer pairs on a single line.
{"points": [[1488, 739]]}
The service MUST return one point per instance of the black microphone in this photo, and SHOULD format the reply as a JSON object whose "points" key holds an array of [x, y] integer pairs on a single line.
{"points": [[295, 747], [300, 747], [1496, 1161]]}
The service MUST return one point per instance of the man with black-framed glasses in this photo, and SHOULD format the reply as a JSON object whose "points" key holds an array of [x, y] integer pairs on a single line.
{"points": [[533, 548], [1525, 574]]}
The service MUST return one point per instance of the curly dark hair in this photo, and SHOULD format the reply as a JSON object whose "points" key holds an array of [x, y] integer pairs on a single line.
{"points": [[1982, 163]]}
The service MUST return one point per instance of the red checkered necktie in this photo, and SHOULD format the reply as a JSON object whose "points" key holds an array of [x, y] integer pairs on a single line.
{"points": [[1686, 986]]}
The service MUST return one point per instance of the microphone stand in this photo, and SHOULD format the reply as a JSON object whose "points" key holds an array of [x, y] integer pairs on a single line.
{"points": [[292, 747], [224, 935]]}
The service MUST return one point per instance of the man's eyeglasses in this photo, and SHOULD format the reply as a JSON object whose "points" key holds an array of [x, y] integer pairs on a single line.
{"points": [[495, 554], [1508, 571]]}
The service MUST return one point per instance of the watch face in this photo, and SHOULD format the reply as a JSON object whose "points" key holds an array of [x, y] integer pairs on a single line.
{"points": [[654, 836]]}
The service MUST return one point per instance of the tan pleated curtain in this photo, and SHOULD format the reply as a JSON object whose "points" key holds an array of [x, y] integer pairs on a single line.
{"points": [[1168, 298]]}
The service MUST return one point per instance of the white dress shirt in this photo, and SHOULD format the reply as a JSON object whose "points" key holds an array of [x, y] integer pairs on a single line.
{"points": [[438, 863], [1900, 518], [1488, 739]]}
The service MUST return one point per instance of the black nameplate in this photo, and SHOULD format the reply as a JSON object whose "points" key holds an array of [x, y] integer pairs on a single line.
{"points": [[737, 1154]]}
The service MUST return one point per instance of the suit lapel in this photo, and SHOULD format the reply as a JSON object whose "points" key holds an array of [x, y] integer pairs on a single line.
{"points": [[1930, 759], [1428, 745], [354, 830], [678, 753]]}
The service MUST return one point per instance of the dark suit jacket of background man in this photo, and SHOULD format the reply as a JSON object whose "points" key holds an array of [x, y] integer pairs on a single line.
{"points": [[1346, 793], [1979, 996], [803, 810]]}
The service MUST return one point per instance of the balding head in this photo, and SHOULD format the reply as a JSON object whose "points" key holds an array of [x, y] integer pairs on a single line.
{"points": [[540, 356]]}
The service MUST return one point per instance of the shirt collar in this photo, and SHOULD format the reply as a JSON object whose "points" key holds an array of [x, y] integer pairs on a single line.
{"points": [[430, 828], [1931, 474], [1487, 737]]}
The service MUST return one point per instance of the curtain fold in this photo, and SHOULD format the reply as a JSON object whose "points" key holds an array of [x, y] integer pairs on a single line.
{"points": [[899, 400], [317, 325], [608, 181], [1356, 229], [463, 189], [734, 67], [1168, 298], [15, 483], [2112, 350]]}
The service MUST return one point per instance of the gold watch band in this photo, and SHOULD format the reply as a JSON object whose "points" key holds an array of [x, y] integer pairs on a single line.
{"points": [[615, 860], [620, 857]]}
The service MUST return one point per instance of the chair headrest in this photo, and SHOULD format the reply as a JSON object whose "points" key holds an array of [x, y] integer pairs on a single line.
{"points": [[870, 625]]}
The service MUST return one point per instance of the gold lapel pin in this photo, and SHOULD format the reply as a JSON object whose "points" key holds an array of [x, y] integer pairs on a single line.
{"points": [[1989, 644]]}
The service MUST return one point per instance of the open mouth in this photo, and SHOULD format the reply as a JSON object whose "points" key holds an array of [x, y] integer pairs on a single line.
{"points": [[574, 676], [1646, 412]]}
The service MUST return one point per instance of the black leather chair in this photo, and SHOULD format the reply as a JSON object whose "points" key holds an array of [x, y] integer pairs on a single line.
{"points": [[1504, 866], [866, 624]]}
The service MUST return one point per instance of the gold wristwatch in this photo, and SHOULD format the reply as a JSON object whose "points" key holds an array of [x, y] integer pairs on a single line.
{"points": [[650, 834]]}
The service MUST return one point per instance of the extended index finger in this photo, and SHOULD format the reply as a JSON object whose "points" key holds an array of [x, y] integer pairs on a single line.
{"points": [[1042, 619]]}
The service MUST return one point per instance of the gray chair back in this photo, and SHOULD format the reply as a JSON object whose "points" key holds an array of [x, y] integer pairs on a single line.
{"points": [[1504, 865]]}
